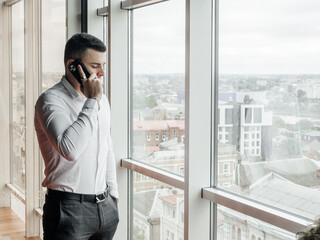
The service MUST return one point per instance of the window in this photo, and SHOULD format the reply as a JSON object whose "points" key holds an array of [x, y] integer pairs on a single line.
{"points": [[229, 116], [226, 168], [17, 95], [248, 115], [257, 115], [275, 94], [155, 206], [53, 38], [158, 82], [163, 137], [54, 31], [181, 171], [239, 234]]}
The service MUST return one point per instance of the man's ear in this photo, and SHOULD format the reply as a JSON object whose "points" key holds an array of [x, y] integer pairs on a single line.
{"points": [[69, 62]]}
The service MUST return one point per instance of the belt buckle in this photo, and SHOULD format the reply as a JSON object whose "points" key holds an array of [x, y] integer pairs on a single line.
{"points": [[100, 200]]}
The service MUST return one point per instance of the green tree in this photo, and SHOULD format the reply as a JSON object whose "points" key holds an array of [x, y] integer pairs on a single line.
{"points": [[290, 148], [304, 125], [301, 96], [278, 122], [151, 101]]}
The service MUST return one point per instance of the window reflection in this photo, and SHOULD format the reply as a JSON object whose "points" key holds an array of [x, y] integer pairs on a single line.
{"points": [[18, 125]]}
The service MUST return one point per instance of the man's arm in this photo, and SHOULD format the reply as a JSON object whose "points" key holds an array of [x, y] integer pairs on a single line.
{"points": [[68, 137], [111, 175]]}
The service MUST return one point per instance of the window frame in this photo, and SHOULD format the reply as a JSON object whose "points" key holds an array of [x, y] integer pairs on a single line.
{"points": [[199, 15]]}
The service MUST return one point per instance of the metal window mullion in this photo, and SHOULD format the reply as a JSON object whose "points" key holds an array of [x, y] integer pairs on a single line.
{"points": [[17, 192], [130, 121], [10, 93], [104, 11], [283, 220], [84, 16], [133, 4], [214, 142], [11, 2], [153, 172]]}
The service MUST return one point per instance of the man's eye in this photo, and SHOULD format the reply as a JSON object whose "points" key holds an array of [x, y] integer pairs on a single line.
{"points": [[93, 66]]}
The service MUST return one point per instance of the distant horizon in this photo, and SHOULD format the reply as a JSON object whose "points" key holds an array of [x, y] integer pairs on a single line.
{"points": [[155, 73]]}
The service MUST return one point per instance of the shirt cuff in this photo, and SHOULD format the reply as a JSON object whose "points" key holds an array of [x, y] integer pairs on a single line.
{"points": [[92, 103]]}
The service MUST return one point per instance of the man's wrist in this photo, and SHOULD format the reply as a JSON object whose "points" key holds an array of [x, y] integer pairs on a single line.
{"points": [[97, 102]]}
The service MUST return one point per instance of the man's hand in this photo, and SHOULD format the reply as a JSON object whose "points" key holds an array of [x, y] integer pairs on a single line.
{"points": [[92, 86]]}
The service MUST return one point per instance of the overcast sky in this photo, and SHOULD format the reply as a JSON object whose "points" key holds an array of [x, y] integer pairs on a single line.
{"points": [[159, 38], [270, 36], [256, 37]]}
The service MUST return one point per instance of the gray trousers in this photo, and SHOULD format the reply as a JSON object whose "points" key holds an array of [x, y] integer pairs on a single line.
{"points": [[65, 219]]}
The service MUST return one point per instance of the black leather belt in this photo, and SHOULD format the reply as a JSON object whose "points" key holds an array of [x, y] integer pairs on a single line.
{"points": [[60, 195]]}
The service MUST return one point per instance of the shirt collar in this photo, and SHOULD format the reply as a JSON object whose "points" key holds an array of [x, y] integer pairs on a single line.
{"points": [[70, 89]]}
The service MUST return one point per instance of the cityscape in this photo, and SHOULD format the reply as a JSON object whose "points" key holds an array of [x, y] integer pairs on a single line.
{"points": [[268, 136], [268, 149]]}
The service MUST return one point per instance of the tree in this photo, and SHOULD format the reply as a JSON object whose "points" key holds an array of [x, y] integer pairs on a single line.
{"points": [[151, 101], [290, 148], [247, 99], [301, 96], [304, 125], [278, 122]]}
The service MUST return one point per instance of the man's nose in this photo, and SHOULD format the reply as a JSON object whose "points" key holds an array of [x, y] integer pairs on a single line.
{"points": [[100, 73]]}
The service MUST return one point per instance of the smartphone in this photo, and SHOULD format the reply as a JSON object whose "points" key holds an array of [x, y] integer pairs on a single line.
{"points": [[73, 68]]}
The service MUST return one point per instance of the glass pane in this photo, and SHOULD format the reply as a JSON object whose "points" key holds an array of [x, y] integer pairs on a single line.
{"points": [[18, 126], [158, 210], [232, 225], [158, 95], [53, 42], [269, 78]]}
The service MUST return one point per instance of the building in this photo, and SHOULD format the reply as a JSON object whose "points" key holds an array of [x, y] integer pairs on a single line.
{"points": [[149, 134], [248, 127]]}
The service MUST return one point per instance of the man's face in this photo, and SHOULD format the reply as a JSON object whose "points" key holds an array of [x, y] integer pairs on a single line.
{"points": [[94, 62]]}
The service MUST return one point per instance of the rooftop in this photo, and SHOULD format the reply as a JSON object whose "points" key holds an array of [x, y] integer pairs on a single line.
{"points": [[157, 125], [301, 171]]}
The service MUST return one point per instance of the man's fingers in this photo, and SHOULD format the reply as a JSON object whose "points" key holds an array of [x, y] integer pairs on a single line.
{"points": [[82, 74], [93, 76]]}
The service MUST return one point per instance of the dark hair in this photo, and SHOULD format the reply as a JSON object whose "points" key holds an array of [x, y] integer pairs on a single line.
{"points": [[312, 233], [78, 44]]}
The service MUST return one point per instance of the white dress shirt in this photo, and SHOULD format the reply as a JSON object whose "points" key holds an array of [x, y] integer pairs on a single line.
{"points": [[74, 138]]}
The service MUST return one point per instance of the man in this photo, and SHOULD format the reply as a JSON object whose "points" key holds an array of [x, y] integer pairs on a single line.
{"points": [[73, 130], [311, 233]]}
